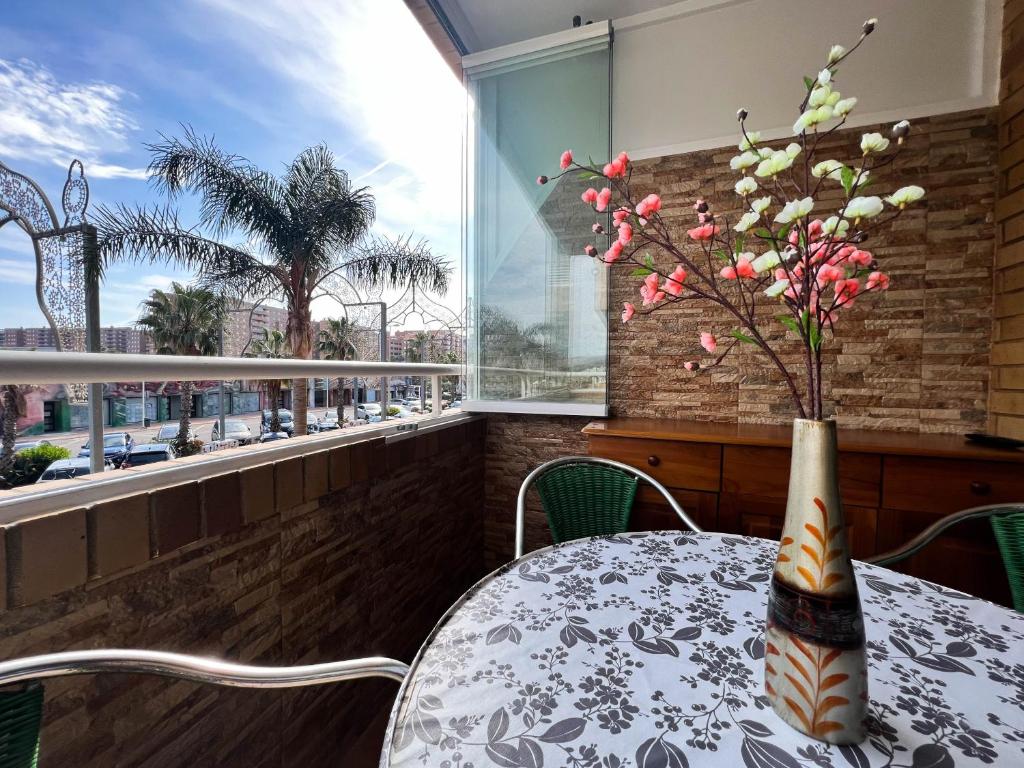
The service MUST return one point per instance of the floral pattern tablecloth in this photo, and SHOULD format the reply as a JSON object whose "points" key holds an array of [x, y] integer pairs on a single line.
{"points": [[646, 650]]}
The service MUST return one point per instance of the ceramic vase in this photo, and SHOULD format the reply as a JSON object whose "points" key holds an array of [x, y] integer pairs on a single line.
{"points": [[815, 662]]}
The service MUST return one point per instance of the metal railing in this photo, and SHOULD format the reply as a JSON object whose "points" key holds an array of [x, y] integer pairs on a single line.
{"points": [[27, 367]]}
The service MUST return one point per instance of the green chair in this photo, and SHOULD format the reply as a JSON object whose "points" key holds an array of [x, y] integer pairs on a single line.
{"points": [[1007, 522], [21, 695], [587, 496]]}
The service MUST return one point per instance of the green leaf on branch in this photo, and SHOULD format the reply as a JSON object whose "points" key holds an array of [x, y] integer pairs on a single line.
{"points": [[743, 337], [815, 337], [811, 330], [649, 261], [784, 231], [588, 175], [763, 233], [640, 272], [809, 82], [722, 254], [789, 322], [846, 176], [740, 240]]}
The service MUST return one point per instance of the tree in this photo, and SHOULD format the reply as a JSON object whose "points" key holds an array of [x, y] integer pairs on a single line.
{"points": [[12, 405], [183, 321], [299, 230], [272, 344], [335, 343]]}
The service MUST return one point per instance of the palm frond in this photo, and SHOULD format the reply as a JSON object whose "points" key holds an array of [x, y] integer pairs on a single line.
{"points": [[380, 262], [142, 234], [235, 193]]}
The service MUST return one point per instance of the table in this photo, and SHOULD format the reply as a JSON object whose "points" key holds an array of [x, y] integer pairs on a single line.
{"points": [[646, 650]]}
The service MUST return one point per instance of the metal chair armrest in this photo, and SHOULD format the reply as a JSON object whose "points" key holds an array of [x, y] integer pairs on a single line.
{"points": [[195, 668], [926, 536]]}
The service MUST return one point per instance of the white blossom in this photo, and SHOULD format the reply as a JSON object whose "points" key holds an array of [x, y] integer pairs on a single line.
{"points": [[812, 117], [845, 106], [819, 96], [835, 53], [775, 164], [777, 288], [863, 207], [749, 140], [873, 142], [761, 204], [831, 168], [825, 76], [904, 196], [833, 225], [747, 220], [794, 209], [766, 261], [746, 186], [743, 161], [793, 149]]}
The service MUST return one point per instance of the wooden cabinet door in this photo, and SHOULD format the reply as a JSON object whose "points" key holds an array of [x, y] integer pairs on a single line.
{"points": [[965, 557], [763, 517], [674, 463], [652, 513]]}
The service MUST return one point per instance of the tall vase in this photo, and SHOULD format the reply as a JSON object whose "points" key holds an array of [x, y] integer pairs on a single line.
{"points": [[815, 665]]}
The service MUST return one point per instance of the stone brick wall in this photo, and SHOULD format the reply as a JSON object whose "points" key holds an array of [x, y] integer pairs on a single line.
{"points": [[349, 552], [914, 359]]}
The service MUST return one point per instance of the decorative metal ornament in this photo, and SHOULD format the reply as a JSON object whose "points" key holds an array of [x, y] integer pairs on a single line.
{"points": [[59, 250]]}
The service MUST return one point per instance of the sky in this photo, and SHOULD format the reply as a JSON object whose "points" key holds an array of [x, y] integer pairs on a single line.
{"points": [[266, 78]]}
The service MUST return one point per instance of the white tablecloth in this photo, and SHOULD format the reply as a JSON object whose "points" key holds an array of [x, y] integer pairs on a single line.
{"points": [[646, 650]]}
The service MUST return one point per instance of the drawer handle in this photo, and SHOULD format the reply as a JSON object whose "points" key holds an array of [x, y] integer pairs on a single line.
{"points": [[979, 488], [653, 461]]}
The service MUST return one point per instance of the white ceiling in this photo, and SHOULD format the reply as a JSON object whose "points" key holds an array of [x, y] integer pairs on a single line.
{"points": [[484, 24]]}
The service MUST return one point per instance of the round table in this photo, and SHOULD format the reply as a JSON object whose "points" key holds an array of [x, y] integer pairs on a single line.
{"points": [[646, 650]]}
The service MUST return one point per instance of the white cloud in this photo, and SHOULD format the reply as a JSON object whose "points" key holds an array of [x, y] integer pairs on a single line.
{"points": [[16, 272], [368, 65], [45, 120]]}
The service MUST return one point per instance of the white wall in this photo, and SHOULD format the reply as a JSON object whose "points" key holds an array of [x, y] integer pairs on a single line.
{"points": [[682, 71]]}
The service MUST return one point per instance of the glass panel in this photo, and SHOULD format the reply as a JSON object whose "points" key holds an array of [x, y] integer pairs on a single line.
{"points": [[538, 304]]}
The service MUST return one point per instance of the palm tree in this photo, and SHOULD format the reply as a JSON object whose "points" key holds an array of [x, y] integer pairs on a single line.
{"points": [[335, 343], [12, 405], [183, 321], [300, 230], [272, 344]]}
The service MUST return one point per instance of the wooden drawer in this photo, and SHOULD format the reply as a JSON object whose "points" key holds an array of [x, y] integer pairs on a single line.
{"points": [[763, 517], [944, 486], [652, 513], [764, 473], [696, 466]]}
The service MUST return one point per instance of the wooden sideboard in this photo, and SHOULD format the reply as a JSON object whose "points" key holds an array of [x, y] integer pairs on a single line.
{"points": [[733, 478]]}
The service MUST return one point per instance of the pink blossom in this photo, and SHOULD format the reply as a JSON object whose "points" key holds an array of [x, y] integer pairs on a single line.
{"points": [[625, 233], [708, 341], [649, 290], [603, 198], [878, 280], [829, 274], [863, 258], [691, 365], [623, 158], [614, 253], [590, 196], [591, 251], [842, 254], [614, 169], [728, 273], [744, 268], [703, 233], [566, 159], [674, 284], [620, 215], [846, 292], [628, 310], [814, 229], [598, 228], [647, 206], [794, 236]]}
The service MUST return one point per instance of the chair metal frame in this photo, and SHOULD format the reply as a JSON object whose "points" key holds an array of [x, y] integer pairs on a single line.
{"points": [[547, 466], [195, 668], [929, 534]]}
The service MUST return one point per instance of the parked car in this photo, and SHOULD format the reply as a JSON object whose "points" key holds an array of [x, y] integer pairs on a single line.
{"points": [[116, 446], [25, 445], [168, 432], [403, 412], [233, 430], [283, 416], [266, 437], [148, 453], [456, 404], [367, 410], [312, 427], [329, 421], [62, 469]]}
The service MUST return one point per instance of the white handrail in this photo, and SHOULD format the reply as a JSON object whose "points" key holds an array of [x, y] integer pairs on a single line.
{"points": [[26, 367]]}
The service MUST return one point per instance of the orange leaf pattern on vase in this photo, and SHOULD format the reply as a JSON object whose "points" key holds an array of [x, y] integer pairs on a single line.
{"points": [[815, 574]]}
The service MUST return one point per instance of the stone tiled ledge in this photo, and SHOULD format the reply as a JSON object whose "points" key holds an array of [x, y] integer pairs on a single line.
{"points": [[45, 554]]}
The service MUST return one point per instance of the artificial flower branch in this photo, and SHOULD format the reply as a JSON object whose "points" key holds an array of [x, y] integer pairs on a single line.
{"points": [[814, 268]]}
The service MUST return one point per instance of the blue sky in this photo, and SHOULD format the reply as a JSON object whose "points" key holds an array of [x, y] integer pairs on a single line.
{"points": [[266, 78]]}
